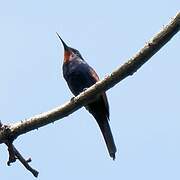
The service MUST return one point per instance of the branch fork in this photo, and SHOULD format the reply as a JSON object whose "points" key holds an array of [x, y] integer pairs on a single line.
{"points": [[14, 154]]}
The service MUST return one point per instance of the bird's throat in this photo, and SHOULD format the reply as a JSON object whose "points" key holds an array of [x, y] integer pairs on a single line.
{"points": [[67, 55]]}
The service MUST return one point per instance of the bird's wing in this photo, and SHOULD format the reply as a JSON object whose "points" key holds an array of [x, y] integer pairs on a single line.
{"points": [[104, 97], [106, 104], [93, 74]]}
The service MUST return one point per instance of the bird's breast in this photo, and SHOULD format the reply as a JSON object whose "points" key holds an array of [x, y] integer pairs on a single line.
{"points": [[77, 77]]}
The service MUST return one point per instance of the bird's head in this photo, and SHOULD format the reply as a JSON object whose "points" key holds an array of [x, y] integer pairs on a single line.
{"points": [[69, 53]]}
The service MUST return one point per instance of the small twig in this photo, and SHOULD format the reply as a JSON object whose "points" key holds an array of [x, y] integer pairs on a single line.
{"points": [[15, 154], [12, 156], [25, 162]]}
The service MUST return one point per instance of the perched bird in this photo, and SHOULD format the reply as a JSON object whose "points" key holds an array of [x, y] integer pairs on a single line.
{"points": [[79, 76]]}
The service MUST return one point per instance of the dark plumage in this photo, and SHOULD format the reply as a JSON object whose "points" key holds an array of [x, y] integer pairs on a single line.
{"points": [[79, 76]]}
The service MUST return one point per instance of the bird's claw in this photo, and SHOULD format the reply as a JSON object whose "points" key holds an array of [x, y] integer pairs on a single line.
{"points": [[85, 89], [72, 99]]}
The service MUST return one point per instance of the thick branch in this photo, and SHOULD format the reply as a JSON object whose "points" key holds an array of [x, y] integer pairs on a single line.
{"points": [[131, 66]]}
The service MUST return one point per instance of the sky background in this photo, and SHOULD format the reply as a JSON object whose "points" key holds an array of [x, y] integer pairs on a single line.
{"points": [[144, 108]]}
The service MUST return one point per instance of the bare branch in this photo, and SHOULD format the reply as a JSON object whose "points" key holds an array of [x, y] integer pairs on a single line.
{"points": [[131, 66], [12, 156], [15, 154], [25, 162]]}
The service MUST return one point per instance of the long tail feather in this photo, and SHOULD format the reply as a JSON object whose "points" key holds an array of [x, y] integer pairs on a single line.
{"points": [[108, 137]]}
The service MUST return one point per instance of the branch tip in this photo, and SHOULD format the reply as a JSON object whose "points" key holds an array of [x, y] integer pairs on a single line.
{"points": [[15, 154]]}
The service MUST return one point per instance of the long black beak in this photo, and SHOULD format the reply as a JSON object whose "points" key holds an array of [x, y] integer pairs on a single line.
{"points": [[66, 48]]}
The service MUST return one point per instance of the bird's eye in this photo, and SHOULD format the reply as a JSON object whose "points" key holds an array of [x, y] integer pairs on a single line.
{"points": [[76, 53]]}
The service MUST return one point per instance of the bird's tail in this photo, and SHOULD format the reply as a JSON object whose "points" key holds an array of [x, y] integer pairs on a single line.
{"points": [[108, 137]]}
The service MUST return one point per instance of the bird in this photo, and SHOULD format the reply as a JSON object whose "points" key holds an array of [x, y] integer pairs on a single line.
{"points": [[79, 76]]}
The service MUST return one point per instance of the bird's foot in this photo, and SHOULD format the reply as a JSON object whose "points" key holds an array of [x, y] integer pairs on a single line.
{"points": [[72, 99]]}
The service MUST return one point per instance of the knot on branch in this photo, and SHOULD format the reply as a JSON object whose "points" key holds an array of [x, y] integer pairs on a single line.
{"points": [[5, 134]]}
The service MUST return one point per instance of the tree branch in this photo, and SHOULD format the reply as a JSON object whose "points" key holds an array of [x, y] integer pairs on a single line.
{"points": [[25, 162], [12, 131], [131, 66], [15, 154]]}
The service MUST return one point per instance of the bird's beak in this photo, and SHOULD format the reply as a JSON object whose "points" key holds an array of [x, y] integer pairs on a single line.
{"points": [[67, 52], [66, 48]]}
